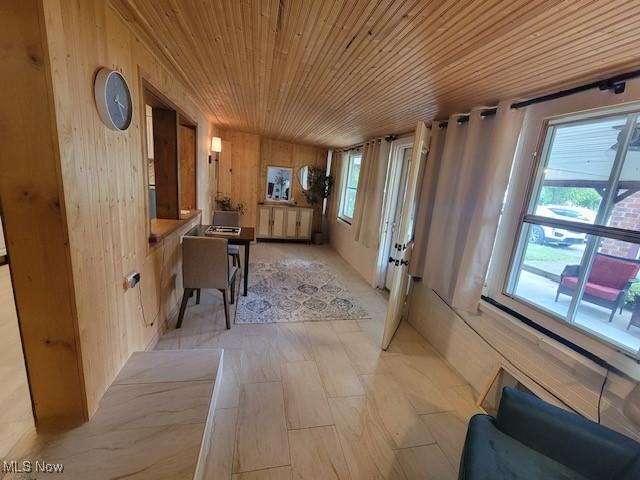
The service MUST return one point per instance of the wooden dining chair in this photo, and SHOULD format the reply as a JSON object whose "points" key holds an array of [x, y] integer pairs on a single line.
{"points": [[205, 264], [224, 218]]}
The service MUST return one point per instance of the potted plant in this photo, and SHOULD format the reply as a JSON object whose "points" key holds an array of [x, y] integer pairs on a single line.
{"points": [[225, 204], [319, 188], [632, 300]]}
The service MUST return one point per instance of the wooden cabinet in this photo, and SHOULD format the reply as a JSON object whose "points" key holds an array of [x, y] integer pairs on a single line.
{"points": [[285, 222], [277, 222], [291, 230], [263, 225]]}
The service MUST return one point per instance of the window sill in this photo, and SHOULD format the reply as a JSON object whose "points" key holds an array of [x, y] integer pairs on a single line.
{"points": [[343, 222], [161, 228]]}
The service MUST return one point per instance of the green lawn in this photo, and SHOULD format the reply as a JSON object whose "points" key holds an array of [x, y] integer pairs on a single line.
{"points": [[548, 253]]}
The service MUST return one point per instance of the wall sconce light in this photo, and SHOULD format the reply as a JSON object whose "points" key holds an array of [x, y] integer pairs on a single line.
{"points": [[216, 147]]}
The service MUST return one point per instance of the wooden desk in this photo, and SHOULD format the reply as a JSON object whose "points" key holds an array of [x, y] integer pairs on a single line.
{"points": [[247, 235]]}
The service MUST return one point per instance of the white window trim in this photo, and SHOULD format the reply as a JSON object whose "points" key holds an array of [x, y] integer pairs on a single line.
{"points": [[587, 105], [346, 169]]}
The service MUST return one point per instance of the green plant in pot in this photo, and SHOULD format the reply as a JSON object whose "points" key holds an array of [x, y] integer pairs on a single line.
{"points": [[633, 301], [225, 204], [316, 186]]}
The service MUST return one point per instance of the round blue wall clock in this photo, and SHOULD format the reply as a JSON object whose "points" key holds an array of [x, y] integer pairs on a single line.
{"points": [[113, 99]]}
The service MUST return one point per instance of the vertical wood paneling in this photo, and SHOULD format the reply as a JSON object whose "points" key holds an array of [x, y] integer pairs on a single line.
{"points": [[34, 214], [243, 169], [104, 178]]}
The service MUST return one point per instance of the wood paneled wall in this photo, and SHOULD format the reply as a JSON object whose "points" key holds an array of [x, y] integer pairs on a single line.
{"points": [[243, 169], [238, 168], [33, 209], [104, 179]]}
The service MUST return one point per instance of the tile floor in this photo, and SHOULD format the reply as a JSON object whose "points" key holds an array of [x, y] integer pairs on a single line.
{"points": [[320, 400]]}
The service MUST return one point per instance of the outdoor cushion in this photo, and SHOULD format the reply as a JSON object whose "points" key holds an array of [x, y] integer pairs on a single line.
{"points": [[612, 272], [600, 291]]}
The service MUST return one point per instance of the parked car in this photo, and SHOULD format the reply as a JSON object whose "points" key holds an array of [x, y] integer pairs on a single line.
{"points": [[559, 236]]}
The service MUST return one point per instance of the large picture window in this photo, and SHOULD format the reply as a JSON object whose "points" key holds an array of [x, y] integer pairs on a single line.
{"points": [[350, 190], [577, 253]]}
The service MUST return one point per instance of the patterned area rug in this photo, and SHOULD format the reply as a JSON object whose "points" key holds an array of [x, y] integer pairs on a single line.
{"points": [[296, 291]]}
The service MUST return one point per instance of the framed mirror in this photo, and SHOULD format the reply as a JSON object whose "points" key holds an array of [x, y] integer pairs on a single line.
{"points": [[303, 177], [279, 184]]}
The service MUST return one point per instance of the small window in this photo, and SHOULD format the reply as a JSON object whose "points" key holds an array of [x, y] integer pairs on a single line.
{"points": [[350, 190], [577, 258]]}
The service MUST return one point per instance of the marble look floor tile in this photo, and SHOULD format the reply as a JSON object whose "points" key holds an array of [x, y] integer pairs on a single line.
{"points": [[463, 401], [450, 432], [339, 378], [321, 333], [229, 393], [364, 354], [292, 343], [401, 421], [260, 361], [304, 398], [373, 328], [219, 463], [279, 473], [261, 437], [152, 404], [419, 390], [426, 463], [342, 326], [168, 343], [230, 338], [368, 448], [316, 454], [209, 339], [169, 366], [427, 361]]}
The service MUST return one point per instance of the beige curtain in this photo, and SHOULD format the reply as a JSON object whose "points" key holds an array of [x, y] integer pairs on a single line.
{"points": [[476, 162], [368, 209], [336, 172], [491, 187], [424, 210]]}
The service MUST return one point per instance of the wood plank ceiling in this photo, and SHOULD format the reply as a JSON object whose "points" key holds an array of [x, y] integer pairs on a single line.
{"points": [[335, 72]]}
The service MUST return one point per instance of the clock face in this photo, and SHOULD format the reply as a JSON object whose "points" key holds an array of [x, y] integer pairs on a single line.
{"points": [[113, 99]]}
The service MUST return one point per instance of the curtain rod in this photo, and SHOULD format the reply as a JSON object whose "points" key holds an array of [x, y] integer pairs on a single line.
{"points": [[617, 84], [465, 118]]}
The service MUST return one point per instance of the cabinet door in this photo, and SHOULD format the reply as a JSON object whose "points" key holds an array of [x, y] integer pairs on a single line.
{"points": [[278, 222], [291, 230], [305, 222], [264, 221]]}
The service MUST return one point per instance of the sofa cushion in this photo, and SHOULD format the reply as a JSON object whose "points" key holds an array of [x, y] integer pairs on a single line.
{"points": [[600, 291], [490, 454]]}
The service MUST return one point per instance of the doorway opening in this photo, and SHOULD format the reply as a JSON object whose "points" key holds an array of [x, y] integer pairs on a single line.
{"points": [[16, 414], [395, 189]]}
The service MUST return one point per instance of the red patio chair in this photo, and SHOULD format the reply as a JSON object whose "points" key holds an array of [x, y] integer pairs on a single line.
{"points": [[607, 284]]}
